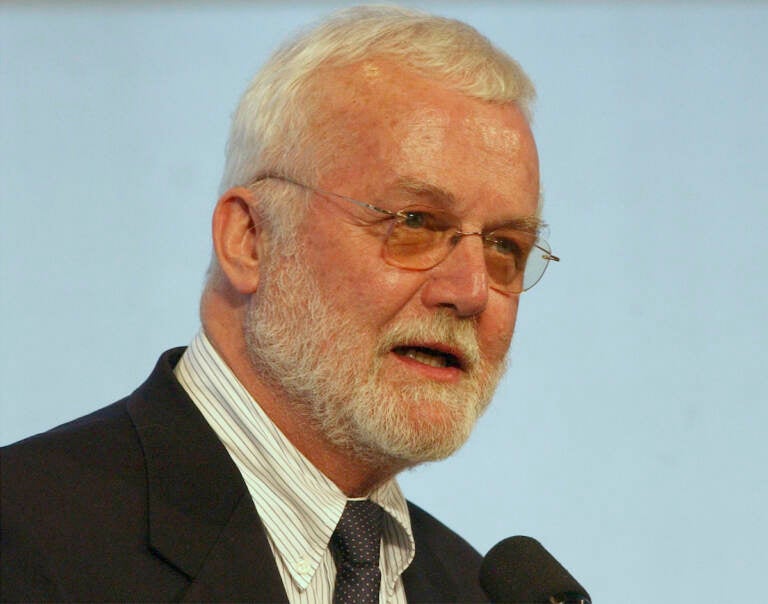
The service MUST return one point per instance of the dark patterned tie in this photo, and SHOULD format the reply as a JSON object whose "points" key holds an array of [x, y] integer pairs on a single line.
{"points": [[357, 540]]}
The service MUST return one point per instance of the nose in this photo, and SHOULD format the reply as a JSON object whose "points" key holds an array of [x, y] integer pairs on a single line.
{"points": [[460, 282]]}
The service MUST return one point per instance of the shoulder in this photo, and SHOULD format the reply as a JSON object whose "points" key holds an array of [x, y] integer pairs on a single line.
{"points": [[86, 447], [32, 467], [57, 487], [97, 454], [74, 501], [69, 475]]}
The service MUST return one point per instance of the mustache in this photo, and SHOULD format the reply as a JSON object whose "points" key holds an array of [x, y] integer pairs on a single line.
{"points": [[440, 328]]}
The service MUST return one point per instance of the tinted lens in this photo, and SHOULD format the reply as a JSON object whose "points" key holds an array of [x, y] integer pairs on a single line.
{"points": [[506, 254], [417, 238], [421, 238]]}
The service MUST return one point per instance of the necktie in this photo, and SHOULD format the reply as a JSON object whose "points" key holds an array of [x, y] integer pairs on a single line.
{"points": [[357, 540]]}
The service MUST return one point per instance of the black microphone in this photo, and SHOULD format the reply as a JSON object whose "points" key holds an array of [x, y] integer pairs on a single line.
{"points": [[518, 570]]}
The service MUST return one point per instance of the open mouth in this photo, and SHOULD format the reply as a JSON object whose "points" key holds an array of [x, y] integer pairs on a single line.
{"points": [[429, 356]]}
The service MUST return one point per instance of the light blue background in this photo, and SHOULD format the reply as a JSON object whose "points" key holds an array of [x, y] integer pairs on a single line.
{"points": [[629, 433]]}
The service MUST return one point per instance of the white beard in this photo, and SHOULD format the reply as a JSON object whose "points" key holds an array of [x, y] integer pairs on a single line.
{"points": [[304, 346]]}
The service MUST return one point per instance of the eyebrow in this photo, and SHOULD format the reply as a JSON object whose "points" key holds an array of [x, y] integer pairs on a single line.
{"points": [[530, 224], [442, 198], [446, 200]]}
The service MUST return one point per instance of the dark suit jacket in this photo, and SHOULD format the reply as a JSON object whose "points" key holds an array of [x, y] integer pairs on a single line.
{"points": [[140, 502]]}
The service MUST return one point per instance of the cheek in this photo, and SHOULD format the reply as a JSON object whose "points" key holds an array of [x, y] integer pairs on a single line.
{"points": [[357, 282], [380, 292], [497, 326]]}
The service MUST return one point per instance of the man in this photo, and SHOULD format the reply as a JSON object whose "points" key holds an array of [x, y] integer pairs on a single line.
{"points": [[378, 220]]}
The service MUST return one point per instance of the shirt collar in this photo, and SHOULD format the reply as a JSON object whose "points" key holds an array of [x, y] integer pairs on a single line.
{"points": [[297, 503]]}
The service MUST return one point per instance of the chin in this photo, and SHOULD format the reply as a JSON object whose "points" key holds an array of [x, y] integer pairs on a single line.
{"points": [[415, 431]]}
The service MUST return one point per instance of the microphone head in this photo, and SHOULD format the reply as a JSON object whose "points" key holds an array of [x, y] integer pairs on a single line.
{"points": [[519, 570]]}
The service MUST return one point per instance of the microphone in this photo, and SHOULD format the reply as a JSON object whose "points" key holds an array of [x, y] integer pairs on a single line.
{"points": [[518, 570]]}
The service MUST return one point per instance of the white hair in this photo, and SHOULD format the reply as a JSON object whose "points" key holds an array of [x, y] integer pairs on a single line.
{"points": [[271, 125]]}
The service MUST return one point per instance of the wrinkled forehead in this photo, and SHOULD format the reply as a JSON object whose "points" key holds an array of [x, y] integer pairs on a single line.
{"points": [[425, 128], [382, 123], [384, 95]]}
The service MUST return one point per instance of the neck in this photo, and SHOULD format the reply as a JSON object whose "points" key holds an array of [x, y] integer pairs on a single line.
{"points": [[354, 474]]}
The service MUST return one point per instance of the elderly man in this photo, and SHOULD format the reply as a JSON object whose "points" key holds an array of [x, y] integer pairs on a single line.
{"points": [[378, 220]]}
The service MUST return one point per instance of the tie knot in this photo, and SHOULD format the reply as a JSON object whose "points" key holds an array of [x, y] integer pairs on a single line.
{"points": [[358, 534]]}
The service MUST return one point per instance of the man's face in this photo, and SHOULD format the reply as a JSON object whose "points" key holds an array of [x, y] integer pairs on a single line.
{"points": [[396, 364]]}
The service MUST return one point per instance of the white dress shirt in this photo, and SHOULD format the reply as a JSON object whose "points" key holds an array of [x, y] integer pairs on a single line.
{"points": [[297, 503]]}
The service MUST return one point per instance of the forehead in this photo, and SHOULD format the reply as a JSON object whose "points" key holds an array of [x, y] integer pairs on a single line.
{"points": [[390, 126]]}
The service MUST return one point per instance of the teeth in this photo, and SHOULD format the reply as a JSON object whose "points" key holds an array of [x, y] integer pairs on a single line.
{"points": [[433, 360]]}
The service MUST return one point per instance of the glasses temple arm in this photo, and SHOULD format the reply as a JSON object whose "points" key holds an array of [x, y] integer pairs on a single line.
{"points": [[357, 202]]}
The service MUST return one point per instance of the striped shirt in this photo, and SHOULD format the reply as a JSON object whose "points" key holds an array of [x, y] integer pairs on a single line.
{"points": [[297, 503]]}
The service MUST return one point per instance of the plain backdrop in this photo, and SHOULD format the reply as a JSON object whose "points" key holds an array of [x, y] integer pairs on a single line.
{"points": [[629, 433]]}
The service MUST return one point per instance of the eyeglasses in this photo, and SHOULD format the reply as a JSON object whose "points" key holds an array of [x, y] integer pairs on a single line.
{"points": [[420, 237]]}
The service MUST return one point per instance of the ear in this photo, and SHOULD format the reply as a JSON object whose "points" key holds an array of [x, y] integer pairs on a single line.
{"points": [[238, 239]]}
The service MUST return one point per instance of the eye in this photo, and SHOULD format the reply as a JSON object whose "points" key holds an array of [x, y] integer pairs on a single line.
{"points": [[414, 220], [512, 247], [505, 246], [418, 219]]}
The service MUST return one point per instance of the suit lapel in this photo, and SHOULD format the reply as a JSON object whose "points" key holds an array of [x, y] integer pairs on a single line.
{"points": [[201, 518], [240, 567], [445, 567], [423, 582]]}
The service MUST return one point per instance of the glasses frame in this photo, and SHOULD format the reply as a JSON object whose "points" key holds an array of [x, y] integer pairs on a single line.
{"points": [[457, 234]]}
